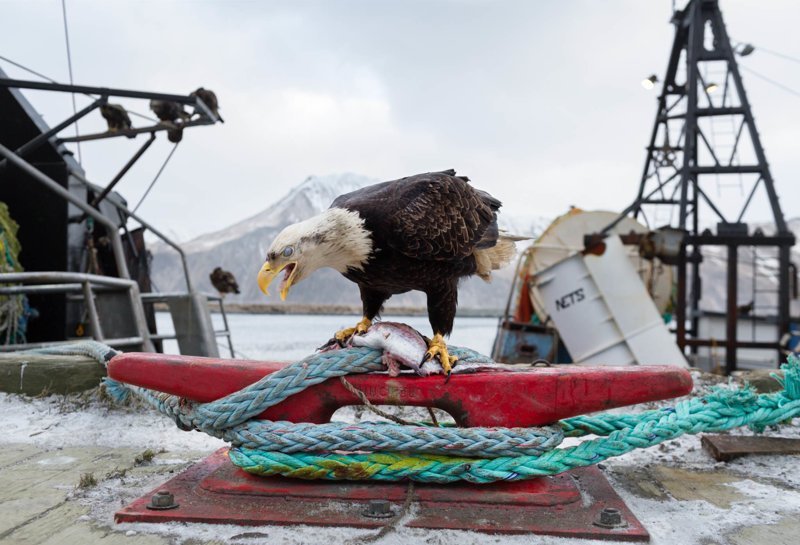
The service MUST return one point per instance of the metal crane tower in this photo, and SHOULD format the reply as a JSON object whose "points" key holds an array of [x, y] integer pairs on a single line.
{"points": [[688, 154]]}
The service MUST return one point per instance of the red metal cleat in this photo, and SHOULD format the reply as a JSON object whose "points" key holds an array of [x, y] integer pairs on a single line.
{"points": [[571, 504], [491, 399]]}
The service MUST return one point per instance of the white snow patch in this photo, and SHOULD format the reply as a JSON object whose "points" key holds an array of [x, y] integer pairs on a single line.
{"points": [[56, 461], [50, 422]]}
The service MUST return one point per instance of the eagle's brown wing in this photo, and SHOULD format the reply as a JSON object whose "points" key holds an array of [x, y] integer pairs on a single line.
{"points": [[433, 216]]}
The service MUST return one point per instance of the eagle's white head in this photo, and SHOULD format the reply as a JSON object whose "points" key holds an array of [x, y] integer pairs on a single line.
{"points": [[336, 238]]}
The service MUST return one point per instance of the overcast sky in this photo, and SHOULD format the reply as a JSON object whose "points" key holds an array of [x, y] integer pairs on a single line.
{"points": [[538, 102]]}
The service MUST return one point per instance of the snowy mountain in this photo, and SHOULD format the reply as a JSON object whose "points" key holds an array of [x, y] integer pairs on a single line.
{"points": [[311, 197], [241, 248]]}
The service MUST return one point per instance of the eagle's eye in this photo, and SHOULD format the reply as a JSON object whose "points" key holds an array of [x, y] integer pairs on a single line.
{"points": [[288, 251]]}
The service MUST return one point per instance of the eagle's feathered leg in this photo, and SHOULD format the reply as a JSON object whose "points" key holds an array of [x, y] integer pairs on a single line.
{"points": [[372, 302], [441, 313]]}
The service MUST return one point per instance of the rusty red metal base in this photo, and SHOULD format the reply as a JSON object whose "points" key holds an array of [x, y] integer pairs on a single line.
{"points": [[567, 505]]}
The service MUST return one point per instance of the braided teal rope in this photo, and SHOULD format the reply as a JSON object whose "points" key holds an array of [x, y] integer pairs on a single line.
{"points": [[478, 455], [720, 410], [229, 418]]}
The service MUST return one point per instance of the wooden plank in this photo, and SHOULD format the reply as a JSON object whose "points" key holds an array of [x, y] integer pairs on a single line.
{"points": [[727, 447], [34, 374]]}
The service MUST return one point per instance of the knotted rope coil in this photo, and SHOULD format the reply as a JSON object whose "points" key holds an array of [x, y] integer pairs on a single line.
{"points": [[441, 455]]}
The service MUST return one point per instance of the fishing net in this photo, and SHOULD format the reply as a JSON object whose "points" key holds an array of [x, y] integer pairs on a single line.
{"points": [[14, 309]]}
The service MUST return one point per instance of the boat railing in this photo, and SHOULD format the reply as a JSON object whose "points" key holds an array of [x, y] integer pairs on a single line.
{"points": [[190, 309], [85, 287], [130, 214], [179, 304]]}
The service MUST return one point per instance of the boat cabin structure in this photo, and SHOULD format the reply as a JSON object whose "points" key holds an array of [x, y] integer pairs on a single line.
{"points": [[82, 266]]}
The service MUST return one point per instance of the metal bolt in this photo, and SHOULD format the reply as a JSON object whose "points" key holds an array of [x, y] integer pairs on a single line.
{"points": [[162, 500], [610, 518], [378, 509]]}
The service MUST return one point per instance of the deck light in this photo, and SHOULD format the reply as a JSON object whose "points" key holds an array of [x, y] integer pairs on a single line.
{"points": [[649, 83]]}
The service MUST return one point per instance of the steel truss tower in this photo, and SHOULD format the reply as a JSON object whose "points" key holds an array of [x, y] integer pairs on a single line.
{"points": [[703, 92]]}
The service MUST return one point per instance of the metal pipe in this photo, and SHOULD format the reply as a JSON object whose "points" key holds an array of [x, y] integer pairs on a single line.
{"points": [[122, 341], [783, 291], [695, 42], [124, 171], [139, 317], [152, 229], [45, 136], [227, 331], [735, 147], [749, 198], [680, 304], [46, 288], [94, 319], [739, 344], [88, 90], [731, 318], [133, 132], [113, 230], [52, 277]]}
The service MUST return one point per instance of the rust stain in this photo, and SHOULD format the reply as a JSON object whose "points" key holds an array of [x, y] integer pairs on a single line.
{"points": [[394, 392], [454, 407]]}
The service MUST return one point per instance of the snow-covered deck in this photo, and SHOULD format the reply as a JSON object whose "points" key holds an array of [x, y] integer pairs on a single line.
{"points": [[49, 445]]}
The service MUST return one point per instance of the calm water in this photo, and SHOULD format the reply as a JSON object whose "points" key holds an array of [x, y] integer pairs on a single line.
{"points": [[292, 337]]}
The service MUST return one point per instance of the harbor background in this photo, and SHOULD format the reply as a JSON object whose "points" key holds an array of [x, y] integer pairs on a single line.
{"points": [[289, 337]]}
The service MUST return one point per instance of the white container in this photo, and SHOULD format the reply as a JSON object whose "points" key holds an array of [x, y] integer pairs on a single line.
{"points": [[603, 311], [564, 237]]}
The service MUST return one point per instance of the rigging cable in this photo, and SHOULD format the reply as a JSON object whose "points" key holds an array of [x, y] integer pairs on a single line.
{"points": [[158, 174], [769, 80], [69, 66], [765, 50], [781, 55], [25, 68], [51, 80]]}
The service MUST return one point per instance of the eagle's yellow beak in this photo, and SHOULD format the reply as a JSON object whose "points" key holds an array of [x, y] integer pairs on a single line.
{"points": [[267, 274]]}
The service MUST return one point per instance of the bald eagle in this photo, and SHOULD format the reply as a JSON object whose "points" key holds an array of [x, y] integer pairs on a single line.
{"points": [[224, 281], [209, 98], [423, 232], [168, 112], [116, 117]]}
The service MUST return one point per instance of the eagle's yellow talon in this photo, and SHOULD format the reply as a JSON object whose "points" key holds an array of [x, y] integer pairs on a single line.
{"points": [[361, 327], [438, 348], [344, 334]]}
